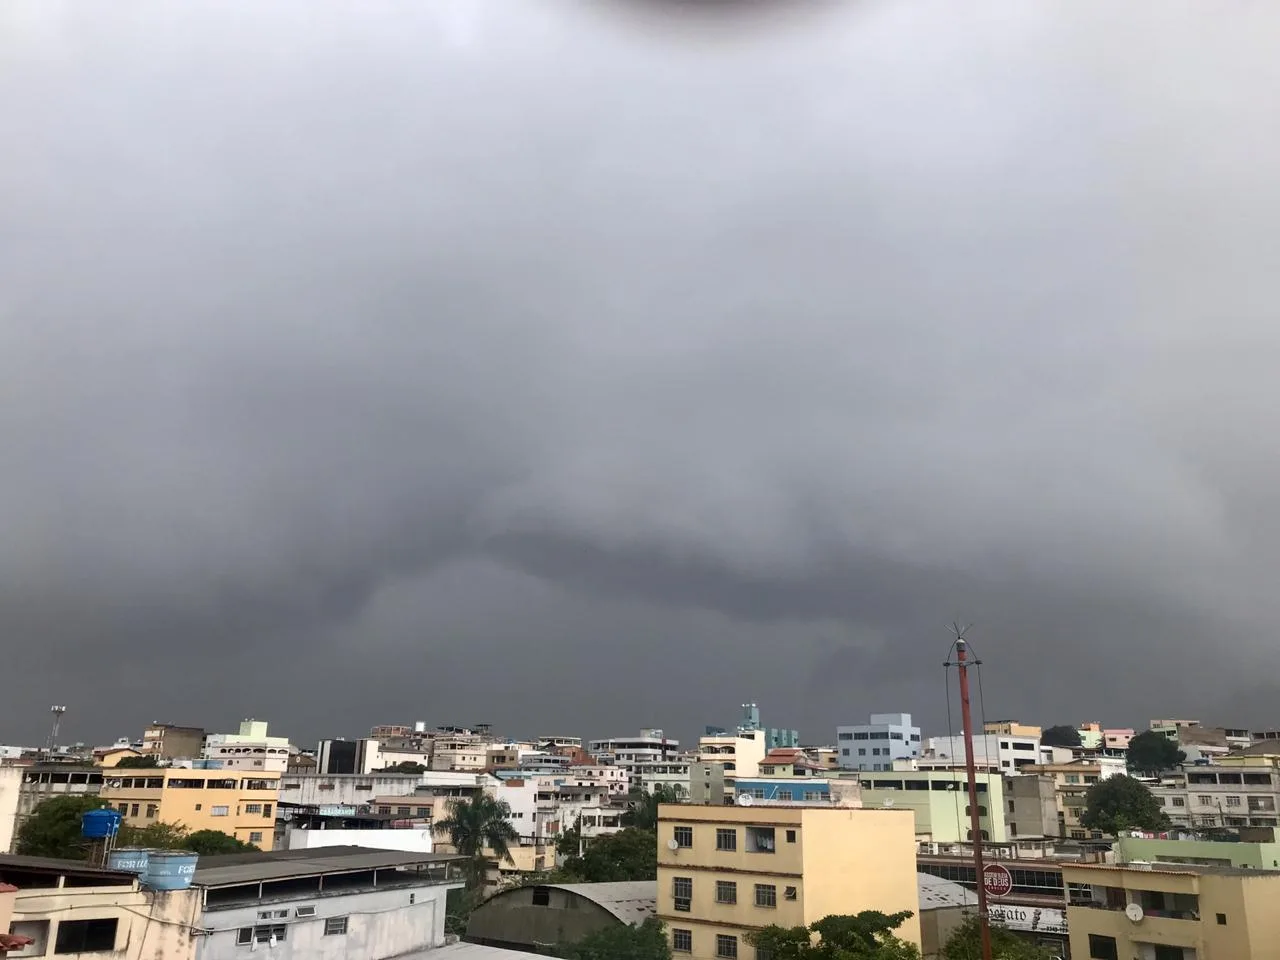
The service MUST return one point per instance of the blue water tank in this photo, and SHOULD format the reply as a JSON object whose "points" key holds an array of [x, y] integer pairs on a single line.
{"points": [[170, 869], [129, 860], [98, 824]]}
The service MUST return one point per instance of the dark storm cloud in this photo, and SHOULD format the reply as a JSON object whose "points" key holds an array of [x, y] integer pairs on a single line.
{"points": [[582, 366]]}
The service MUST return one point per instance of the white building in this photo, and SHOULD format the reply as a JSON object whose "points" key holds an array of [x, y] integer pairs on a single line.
{"points": [[330, 904], [740, 753], [668, 773], [417, 839], [250, 749], [877, 744], [991, 751], [317, 789], [626, 752]]}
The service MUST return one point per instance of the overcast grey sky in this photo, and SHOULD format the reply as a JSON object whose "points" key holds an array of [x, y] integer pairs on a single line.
{"points": [[577, 366]]}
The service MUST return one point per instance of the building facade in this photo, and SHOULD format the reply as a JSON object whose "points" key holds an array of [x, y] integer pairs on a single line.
{"points": [[242, 806], [1172, 913], [1235, 796], [68, 908], [991, 751], [740, 754], [874, 745], [939, 801], [327, 904], [724, 873], [39, 783], [249, 749]]}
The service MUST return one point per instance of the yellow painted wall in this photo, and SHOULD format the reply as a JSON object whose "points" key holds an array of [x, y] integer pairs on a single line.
{"points": [[843, 860], [199, 808]]}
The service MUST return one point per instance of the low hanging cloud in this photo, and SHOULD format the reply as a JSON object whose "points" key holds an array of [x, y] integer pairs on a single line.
{"points": [[593, 365]]}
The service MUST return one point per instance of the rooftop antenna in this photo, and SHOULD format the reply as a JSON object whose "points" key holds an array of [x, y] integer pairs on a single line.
{"points": [[962, 664], [57, 710]]}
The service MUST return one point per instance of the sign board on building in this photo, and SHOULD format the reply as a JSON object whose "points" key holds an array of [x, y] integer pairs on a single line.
{"points": [[1038, 919], [335, 810], [996, 880]]}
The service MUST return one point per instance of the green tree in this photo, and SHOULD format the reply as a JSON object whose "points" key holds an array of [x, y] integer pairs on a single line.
{"points": [[137, 763], [478, 823], [630, 854], [622, 941], [1061, 736], [1122, 803], [156, 836], [642, 806], [405, 766], [53, 828], [1153, 753], [210, 843], [868, 935], [569, 843], [965, 944]]}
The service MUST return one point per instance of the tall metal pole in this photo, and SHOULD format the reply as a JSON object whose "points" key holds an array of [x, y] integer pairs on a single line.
{"points": [[962, 665]]}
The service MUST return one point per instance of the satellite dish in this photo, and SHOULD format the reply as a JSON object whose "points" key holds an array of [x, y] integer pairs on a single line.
{"points": [[672, 844], [888, 803], [1134, 912], [745, 800]]}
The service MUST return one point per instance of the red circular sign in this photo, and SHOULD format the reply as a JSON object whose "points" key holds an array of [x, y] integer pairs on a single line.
{"points": [[996, 880]]}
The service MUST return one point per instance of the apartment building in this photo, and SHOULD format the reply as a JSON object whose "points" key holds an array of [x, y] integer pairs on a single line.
{"points": [[627, 752], [241, 805], [1071, 782], [69, 908], [939, 801], [725, 872], [1031, 806], [460, 752], [167, 741], [1235, 796], [707, 784], [1012, 728], [1254, 853], [875, 745], [740, 753], [249, 749], [648, 774], [22, 789], [1094, 736], [991, 751], [1164, 912]]}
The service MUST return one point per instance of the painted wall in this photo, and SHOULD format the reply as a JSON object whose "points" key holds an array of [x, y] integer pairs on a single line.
{"points": [[10, 787], [409, 840], [380, 924], [245, 811], [150, 925], [1256, 856]]}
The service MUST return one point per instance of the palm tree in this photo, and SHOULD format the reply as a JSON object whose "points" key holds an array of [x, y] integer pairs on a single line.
{"points": [[479, 823], [642, 807]]}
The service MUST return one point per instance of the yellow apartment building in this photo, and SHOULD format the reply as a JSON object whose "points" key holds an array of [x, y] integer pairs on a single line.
{"points": [[224, 800], [1011, 728], [1172, 912], [724, 872]]}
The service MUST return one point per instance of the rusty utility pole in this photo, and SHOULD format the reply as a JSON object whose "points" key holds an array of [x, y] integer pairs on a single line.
{"points": [[966, 718]]}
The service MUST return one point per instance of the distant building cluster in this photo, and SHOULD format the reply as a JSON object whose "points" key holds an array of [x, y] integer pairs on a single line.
{"points": [[754, 828]]}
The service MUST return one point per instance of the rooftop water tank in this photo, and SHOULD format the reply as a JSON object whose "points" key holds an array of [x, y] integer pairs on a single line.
{"points": [[129, 860], [170, 869], [99, 824]]}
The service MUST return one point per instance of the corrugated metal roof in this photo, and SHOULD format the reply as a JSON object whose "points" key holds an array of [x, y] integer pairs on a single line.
{"points": [[467, 951], [631, 901], [238, 868], [936, 893]]}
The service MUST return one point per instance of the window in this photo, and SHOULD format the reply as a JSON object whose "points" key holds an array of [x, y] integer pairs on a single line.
{"points": [[255, 836], [760, 840], [1233, 801], [791, 836], [726, 891], [726, 838], [244, 936], [402, 811], [86, 936], [862, 751], [335, 926], [844, 752], [860, 736], [968, 810], [895, 736], [307, 911], [253, 808], [384, 809], [846, 736], [1102, 948], [151, 810], [124, 808], [264, 932], [881, 735], [682, 890], [726, 947], [1222, 919], [1178, 801], [1073, 778], [541, 897], [423, 811], [684, 836], [134, 813], [789, 893], [766, 895], [219, 811], [682, 941], [813, 795], [1204, 800]]}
